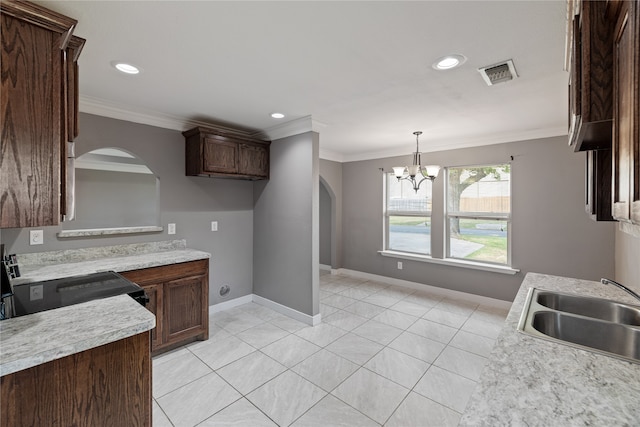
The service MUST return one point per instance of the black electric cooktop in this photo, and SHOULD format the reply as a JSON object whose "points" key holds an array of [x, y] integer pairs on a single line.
{"points": [[33, 297]]}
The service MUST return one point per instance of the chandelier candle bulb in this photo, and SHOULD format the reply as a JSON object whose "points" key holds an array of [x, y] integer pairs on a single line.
{"points": [[399, 171], [431, 170]]}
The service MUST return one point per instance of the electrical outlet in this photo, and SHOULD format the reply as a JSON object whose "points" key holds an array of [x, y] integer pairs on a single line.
{"points": [[399, 265], [214, 225], [35, 292], [171, 228], [36, 237]]}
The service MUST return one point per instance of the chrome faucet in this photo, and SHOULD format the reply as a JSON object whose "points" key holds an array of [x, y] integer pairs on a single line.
{"points": [[621, 286]]}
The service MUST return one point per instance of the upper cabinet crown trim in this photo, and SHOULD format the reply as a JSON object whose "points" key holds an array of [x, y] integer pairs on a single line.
{"points": [[40, 16]]}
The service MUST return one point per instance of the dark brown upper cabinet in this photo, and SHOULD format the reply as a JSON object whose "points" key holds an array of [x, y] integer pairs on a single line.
{"points": [[226, 153], [39, 112], [591, 78], [626, 125]]}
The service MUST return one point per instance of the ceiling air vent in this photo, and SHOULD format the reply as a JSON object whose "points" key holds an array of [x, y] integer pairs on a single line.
{"points": [[498, 73]]}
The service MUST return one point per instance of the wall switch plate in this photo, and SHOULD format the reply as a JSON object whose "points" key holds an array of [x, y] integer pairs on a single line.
{"points": [[36, 237], [171, 228], [35, 292], [399, 265], [214, 225]]}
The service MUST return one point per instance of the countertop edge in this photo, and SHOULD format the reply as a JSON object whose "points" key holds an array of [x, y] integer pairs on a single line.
{"points": [[114, 328]]}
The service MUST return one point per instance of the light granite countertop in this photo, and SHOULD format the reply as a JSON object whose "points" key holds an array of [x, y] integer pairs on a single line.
{"points": [[534, 382], [38, 338], [41, 266]]}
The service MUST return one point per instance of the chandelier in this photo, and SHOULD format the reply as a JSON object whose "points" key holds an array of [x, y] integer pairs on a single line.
{"points": [[409, 173]]}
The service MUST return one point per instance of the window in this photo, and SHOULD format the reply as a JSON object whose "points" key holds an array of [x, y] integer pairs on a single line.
{"points": [[479, 213], [408, 216]]}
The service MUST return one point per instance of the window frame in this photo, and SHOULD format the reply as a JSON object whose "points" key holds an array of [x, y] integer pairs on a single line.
{"points": [[499, 216], [387, 213]]}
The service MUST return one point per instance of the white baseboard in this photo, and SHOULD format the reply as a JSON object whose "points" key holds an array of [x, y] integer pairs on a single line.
{"points": [[325, 267], [464, 296], [226, 305], [289, 312]]}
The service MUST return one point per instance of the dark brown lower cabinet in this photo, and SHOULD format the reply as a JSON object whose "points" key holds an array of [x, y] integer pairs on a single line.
{"points": [[108, 385], [179, 297]]}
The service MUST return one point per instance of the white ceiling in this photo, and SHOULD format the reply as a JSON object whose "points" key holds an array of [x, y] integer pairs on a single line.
{"points": [[360, 70]]}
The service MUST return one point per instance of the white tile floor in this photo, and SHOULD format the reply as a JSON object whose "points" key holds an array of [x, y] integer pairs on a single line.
{"points": [[383, 355]]}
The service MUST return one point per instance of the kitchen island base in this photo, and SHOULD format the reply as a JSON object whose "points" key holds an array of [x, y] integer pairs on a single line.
{"points": [[109, 385]]}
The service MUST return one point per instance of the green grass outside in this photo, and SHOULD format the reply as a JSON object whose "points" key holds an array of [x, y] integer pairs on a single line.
{"points": [[494, 248], [409, 220]]}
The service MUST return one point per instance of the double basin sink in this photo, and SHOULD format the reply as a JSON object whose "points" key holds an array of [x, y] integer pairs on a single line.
{"points": [[594, 324]]}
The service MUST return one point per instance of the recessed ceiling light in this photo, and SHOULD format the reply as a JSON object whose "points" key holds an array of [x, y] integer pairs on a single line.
{"points": [[277, 115], [448, 62], [125, 68]]}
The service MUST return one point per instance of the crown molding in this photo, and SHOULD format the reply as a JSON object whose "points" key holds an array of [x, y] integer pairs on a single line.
{"points": [[304, 124], [462, 143], [331, 155], [112, 110], [293, 127]]}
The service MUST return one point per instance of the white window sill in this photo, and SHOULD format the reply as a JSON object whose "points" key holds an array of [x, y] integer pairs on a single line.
{"points": [[451, 262]]}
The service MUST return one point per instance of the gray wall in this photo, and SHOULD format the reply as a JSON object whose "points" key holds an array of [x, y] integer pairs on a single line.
{"points": [[190, 202], [285, 259], [551, 233], [331, 177], [627, 256], [325, 225], [111, 198]]}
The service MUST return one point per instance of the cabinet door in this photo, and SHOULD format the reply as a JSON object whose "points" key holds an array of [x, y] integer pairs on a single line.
{"points": [[186, 308], [220, 156], [624, 110], [31, 132], [634, 16], [154, 292], [254, 160], [590, 99]]}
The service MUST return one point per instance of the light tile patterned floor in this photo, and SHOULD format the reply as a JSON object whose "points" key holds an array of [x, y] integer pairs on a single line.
{"points": [[383, 355]]}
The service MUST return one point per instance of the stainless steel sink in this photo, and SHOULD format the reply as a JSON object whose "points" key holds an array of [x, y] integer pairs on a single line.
{"points": [[603, 309], [595, 324]]}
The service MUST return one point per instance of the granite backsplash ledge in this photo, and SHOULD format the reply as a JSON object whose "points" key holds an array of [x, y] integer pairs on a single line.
{"points": [[100, 252]]}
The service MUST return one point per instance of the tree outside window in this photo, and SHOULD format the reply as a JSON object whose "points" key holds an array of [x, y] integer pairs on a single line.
{"points": [[478, 212]]}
